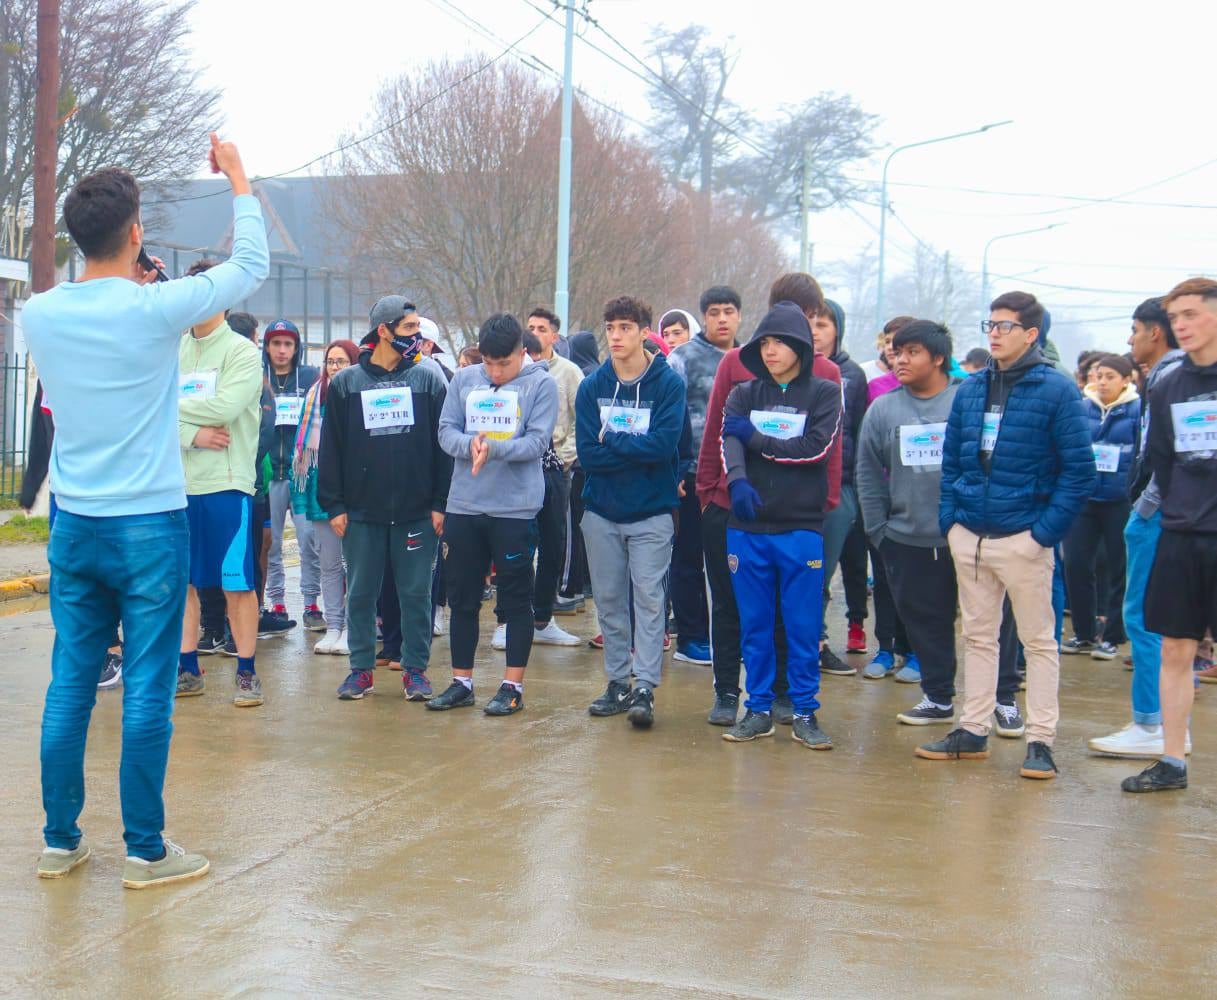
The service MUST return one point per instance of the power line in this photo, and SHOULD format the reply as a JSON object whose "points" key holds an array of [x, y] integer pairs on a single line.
{"points": [[1074, 288], [380, 131], [1038, 194]]}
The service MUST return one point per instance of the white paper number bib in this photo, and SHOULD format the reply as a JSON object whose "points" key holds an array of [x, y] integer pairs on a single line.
{"points": [[625, 419], [1107, 457], [989, 427], [921, 444], [493, 412], [288, 410], [1195, 425], [775, 424], [388, 407], [194, 385]]}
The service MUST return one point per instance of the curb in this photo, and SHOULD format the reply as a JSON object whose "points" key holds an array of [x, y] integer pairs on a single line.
{"points": [[24, 586]]}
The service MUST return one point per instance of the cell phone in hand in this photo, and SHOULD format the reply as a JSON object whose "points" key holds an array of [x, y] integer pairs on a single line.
{"points": [[148, 264]]}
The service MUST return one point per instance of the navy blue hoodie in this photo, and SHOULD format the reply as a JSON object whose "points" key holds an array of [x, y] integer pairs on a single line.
{"points": [[627, 435]]}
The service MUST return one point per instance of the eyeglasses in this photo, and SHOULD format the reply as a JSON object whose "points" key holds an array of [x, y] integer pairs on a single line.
{"points": [[336, 362], [1001, 327]]}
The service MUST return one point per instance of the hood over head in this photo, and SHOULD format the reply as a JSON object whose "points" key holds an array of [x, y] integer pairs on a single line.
{"points": [[690, 322], [786, 322], [281, 328], [1045, 326], [838, 317], [584, 351]]}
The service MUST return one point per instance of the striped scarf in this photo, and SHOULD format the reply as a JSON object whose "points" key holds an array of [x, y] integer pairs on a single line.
{"points": [[308, 440]]}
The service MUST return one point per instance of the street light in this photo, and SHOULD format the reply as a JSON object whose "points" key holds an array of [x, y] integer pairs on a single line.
{"points": [[984, 267], [883, 201]]}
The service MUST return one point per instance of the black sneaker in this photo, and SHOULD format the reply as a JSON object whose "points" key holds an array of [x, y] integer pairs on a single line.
{"points": [[783, 710], [569, 606], [1076, 646], [808, 732], [272, 624], [111, 672], [926, 713], [753, 726], [212, 642], [1104, 651], [831, 663], [1010, 723], [507, 701], [958, 744], [615, 700], [1158, 777], [457, 696], [487, 593], [642, 708], [725, 710], [1039, 762], [229, 648]]}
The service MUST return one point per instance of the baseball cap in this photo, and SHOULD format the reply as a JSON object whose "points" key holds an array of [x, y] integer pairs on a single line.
{"points": [[282, 326], [388, 310]]}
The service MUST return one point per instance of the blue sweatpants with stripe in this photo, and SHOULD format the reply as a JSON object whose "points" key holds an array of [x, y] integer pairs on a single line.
{"points": [[766, 569]]}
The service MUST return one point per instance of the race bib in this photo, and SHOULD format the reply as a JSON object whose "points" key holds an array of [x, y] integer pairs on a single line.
{"points": [[989, 427], [625, 419], [493, 412], [1195, 425], [921, 444], [288, 410], [389, 407], [1107, 457], [782, 426], [193, 385]]}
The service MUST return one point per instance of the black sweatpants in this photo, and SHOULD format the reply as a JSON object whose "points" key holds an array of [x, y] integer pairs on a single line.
{"points": [[1099, 525], [575, 579], [471, 542], [724, 614], [889, 628], [213, 608], [688, 578], [923, 589], [551, 542], [855, 556]]}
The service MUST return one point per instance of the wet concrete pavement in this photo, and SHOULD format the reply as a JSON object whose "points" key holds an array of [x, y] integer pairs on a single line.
{"points": [[372, 848]]}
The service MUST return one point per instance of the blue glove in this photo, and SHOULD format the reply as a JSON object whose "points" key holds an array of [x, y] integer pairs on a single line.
{"points": [[739, 426], [745, 501]]}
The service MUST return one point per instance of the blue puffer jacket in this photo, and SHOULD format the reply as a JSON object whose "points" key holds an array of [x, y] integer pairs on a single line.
{"points": [[1041, 472], [1116, 427]]}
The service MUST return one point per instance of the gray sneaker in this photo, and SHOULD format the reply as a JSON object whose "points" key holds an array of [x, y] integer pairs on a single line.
{"points": [[1009, 721], [175, 866], [808, 732], [249, 690], [783, 710], [56, 863], [188, 684], [752, 726], [725, 710]]}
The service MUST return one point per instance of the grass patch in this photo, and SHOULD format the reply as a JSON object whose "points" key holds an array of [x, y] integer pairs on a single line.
{"points": [[22, 530], [9, 503]]}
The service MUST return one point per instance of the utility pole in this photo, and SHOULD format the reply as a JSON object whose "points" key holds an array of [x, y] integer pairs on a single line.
{"points": [[804, 201], [946, 285], [46, 148], [562, 270]]}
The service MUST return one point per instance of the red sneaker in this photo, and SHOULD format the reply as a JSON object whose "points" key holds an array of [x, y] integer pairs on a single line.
{"points": [[667, 642], [597, 642], [856, 643]]}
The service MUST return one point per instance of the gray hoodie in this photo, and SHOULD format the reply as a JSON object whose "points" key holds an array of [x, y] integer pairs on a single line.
{"points": [[696, 362], [899, 472], [511, 483]]}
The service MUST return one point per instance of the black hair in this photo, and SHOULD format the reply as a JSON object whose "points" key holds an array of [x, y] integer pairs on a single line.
{"points": [[500, 336], [551, 318], [934, 337], [1152, 312], [1030, 311], [201, 265], [100, 209], [978, 357], [672, 319], [626, 308], [801, 289], [244, 324], [1116, 362], [719, 295], [532, 343]]}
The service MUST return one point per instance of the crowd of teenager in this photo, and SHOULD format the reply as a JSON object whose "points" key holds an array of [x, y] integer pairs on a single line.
{"points": [[694, 480]]}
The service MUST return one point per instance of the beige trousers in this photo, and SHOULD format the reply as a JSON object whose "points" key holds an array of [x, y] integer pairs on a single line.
{"points": [[987, 569]]}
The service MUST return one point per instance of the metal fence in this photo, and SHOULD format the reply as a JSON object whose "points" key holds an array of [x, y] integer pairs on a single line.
{"points": [[14, 422]]}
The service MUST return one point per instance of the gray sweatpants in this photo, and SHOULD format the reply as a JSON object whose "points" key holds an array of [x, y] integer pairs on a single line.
{"points": [[333, 575], [310, 565], [618, 555]]}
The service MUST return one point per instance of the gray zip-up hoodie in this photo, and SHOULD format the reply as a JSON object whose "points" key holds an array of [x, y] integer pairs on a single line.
{"points": [[511, 483], [899, 471]]}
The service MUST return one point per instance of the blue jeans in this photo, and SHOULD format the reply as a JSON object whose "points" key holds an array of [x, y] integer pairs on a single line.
{"points": [[767, 571], [106, 570], [1141, 541]]}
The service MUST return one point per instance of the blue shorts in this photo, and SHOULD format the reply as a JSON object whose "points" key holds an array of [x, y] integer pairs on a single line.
{"points": [[221, 540]]}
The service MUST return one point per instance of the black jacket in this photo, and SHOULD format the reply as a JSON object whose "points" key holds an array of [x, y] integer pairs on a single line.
{"points": [[853, 388], [297, 382], [788, 470], [390, 474], [38, 456], [1183, 447]]}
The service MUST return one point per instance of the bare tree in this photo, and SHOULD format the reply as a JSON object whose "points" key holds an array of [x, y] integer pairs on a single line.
{"points": [[129, 95]]}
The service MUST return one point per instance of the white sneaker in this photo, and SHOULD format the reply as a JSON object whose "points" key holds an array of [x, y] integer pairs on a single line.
{"points": [[552, 635], [500, 638], [1134, 740], [325, 645], [437, 624], [341, 648]]}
